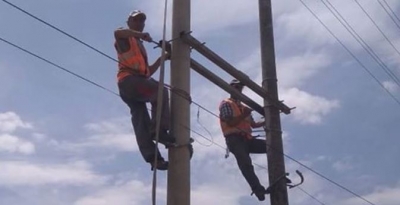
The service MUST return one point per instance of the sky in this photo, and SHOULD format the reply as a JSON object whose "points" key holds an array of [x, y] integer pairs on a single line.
{"points": [[64, 141]]}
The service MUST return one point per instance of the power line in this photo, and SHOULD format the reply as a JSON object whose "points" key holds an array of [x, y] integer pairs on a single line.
{"points": [[102, 87], [351, 53], [309, 9], [361, 41], [204, 128], [108, 90], [390, 8], [376, 25], [330, 180], [59, 30], [391, 17], [82, 42], [102, 53], [81, 77], [58, 66], [313, 197], [72, 73]]}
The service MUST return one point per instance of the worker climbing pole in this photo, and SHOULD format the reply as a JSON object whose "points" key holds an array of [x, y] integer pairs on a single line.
{"points": [[236, 124], [136, 88]]}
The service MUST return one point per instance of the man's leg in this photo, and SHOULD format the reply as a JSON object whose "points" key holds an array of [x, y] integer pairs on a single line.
{"points": [[165, 112], [258, 146], [141, 124], [148, 92], [239, 147]]}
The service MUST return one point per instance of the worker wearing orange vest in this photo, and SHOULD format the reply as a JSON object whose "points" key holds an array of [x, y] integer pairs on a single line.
{"points": [[236, 124], [136, 87]]}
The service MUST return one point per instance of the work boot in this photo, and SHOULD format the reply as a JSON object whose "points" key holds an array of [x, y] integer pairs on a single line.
{"points": [[260, 193], [164, 138], [169, 141], [189, 146], [161, 165]]}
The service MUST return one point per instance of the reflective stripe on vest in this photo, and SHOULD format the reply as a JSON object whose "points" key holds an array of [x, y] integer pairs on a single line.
{"points": [[132, 61], [243, 128]]}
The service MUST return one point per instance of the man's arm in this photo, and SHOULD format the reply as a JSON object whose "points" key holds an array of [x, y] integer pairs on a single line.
{"points": [[226, 115], [128, 33], [257, 124], [153, 68], [167, 55]]}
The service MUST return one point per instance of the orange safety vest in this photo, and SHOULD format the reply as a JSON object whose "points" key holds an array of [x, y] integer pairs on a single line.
{"points": [[243, 128], [131, 62]]}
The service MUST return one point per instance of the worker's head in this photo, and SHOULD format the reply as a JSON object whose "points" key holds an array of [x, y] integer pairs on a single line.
{"points": [[237, 85], [136, 20]]}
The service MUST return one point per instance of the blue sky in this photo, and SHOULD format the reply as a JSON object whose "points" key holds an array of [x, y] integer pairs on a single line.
{"points": [[64, 141]]}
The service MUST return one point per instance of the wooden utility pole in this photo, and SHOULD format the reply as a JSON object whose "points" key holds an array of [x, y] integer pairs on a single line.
{"points": [[276, 163], [179, 160]]}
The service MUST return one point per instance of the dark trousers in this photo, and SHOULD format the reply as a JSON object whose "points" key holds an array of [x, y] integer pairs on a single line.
{"points": [[135, 91], [241, 149]]}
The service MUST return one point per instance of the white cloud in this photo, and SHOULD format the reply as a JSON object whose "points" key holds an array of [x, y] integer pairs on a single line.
{"points": [[223, 185], [309, 109], [293, 71], [216, 194], [343, 165], [122, 142], [131, 193], [236, 12], [251, 65], [21, 173], [214, 181], [300, 24], [384, 196], [115, 133], [322, 158], [391, 86], [13, 144], [39, 136], [300, 29], [204, 15], [9, 122]]}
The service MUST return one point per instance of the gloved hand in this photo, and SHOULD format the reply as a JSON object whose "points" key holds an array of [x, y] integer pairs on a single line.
{"points": [[168, 47]]}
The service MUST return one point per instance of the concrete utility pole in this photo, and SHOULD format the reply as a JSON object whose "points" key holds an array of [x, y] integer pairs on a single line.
{"points": [[276, 163], [179, 160]]}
